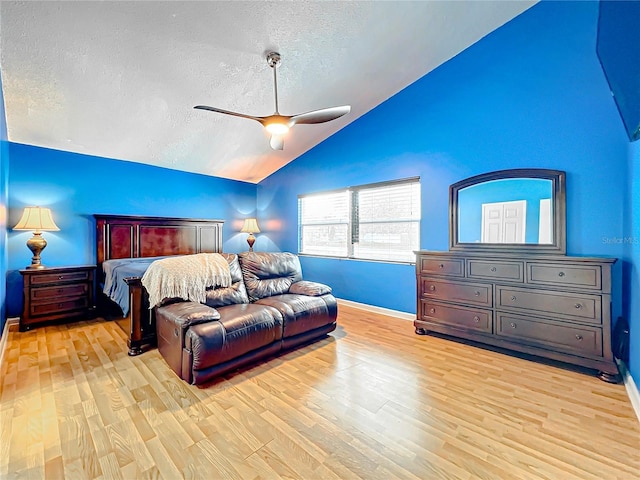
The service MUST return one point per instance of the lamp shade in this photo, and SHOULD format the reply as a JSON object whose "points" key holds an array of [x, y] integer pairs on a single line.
{"points": [[250, 226], [36, 218]]}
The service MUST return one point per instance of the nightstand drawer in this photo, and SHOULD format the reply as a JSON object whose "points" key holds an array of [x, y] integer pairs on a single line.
{"points": [[62, 306], [59, 277], [49, 294]]}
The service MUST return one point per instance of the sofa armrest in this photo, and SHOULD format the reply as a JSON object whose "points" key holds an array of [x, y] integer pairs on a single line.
{"points": [[185, 314], [172, 324], [312, 289]]}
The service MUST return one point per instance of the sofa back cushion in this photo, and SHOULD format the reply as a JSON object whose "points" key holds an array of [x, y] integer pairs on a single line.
{"points": [[236, 293], [269, 273]]}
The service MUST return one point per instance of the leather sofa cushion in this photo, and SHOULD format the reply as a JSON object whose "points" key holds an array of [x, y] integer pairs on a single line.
{"points": [[236, 293], [314, 289], [240, 329], [269, 273], [302, 313]]}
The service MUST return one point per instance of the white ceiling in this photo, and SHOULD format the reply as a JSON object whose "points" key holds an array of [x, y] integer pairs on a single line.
{"points": [[120, 79]]}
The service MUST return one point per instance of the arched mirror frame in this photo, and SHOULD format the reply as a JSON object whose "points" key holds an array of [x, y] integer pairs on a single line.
{"points": [[559, 245]]}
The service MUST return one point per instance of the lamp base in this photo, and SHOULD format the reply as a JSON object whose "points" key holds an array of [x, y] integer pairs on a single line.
{"points": [[36, 244], [251, 240], [38, 266]]}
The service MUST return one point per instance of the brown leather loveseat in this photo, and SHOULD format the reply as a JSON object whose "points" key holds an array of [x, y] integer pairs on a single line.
{"points": [[267, 308]]}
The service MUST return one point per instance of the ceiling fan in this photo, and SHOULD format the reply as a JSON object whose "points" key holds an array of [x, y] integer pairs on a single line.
{"points": [[278, 125]]}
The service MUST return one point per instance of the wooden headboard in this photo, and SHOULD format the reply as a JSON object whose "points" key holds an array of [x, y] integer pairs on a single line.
{"points": [[125, 236]]}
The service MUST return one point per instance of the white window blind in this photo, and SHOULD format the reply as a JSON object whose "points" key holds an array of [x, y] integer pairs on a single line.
{"points": [[373, 222], [324, 224]]}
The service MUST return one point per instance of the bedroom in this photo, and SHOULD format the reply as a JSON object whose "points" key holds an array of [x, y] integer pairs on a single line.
{"points": [[461, 125]]}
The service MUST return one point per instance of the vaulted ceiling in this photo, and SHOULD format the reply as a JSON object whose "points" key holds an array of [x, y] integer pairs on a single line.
{"points": [[119, 79]]}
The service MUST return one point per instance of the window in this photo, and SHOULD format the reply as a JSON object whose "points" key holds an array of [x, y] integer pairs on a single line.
{"points": [[372, 222]]}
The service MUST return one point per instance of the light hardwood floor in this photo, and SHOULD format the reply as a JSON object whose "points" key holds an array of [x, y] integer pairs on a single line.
{"points": [[372, 400]]}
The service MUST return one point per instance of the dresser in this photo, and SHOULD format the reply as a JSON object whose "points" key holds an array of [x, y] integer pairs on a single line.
{"points": [[57, 294], [553, 306]]}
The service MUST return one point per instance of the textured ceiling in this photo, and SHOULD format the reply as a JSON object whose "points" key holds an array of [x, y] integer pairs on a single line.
{"points": [[120, 79]]}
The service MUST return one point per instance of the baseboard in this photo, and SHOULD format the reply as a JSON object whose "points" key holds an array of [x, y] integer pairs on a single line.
{"points": [[5, 336], [632, 388], [384, 311]]}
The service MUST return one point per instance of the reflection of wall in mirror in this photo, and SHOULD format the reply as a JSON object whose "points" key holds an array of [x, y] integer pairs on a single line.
{"points": [[531, 190], [545, 231]]}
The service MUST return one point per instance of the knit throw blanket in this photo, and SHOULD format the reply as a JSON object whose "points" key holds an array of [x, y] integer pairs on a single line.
{"points": [[186, 277]]}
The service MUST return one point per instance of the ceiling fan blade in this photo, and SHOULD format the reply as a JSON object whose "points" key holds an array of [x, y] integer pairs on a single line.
{"points": [[320, 116], [227, 112], [277, 142]]}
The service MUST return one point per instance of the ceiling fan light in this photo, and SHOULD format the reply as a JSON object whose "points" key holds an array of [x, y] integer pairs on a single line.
{"points": [[277, 128]]}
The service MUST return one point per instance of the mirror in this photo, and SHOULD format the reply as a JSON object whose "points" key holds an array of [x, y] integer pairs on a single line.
{"points": [[519, 210]]}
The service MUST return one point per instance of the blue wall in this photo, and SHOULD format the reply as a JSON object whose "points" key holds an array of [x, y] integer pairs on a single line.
{"points": [[77, 186], [531, 94], [631, 277], [4, 174], [617, 46]]}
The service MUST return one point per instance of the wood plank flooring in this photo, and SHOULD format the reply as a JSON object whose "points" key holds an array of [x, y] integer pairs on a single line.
{"points": [[372, 401]]}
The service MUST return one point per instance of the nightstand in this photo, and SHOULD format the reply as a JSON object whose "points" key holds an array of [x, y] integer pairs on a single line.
{"points": [[58, 293]]}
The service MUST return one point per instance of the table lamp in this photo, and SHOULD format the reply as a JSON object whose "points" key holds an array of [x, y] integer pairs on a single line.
{"points": [[37, 219], [250, 226]]}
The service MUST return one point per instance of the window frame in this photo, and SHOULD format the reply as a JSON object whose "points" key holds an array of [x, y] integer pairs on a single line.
{"points": [[353, 221]]}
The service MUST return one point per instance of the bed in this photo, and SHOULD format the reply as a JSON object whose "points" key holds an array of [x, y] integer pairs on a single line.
{"points": [[125, 245]]}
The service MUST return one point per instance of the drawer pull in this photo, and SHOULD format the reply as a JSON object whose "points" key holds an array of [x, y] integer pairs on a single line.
{"points": [[561, 274], [441, 265], [60, 290], [477, 294], [493, 269], [60, 277], [578, 306], [476, 319], [60, 305], [432, 310], [513, 325], [579, 337], [432, 288], [513, 298]]}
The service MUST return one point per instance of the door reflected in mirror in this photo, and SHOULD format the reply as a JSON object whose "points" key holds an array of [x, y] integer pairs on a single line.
{"points": [[506, 211]]}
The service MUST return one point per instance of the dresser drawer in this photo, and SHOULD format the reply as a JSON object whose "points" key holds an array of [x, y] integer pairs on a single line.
{"points": [[62, 306], [448, 290], [51, 294], [581, 340], [571, 275], [510, 271], [73, 276], [572, 306], [441, 266], [459, 317]]}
